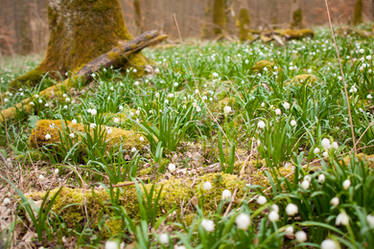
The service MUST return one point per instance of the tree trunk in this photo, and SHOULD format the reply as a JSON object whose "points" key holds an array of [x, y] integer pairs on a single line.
{"points": [[80, 30], [23, 27], [357, 15], [296, 14]]}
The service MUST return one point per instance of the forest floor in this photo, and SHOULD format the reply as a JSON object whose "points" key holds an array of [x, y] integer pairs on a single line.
{"points": [[219, 145]]}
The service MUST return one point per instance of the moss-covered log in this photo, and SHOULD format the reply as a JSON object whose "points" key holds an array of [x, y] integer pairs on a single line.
{"points": [[79, 206], [50, 132], [116, 56], [80, 30]]}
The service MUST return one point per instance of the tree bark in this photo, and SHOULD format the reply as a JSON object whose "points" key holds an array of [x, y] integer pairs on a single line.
{"points": [[357, 15], [80, 30], [22, 26]]}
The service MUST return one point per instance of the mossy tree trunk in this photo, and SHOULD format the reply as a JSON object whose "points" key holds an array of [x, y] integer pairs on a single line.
{"points": [[244, 24], [138, 16], [296, 15], [23, 27], [219, 16], [357, 15], [80, 31]]}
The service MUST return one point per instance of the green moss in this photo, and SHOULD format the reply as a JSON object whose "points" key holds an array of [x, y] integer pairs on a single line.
{"points": [[260, 65], [244, 24], [219, 16], [29, 79], [297, 18]]}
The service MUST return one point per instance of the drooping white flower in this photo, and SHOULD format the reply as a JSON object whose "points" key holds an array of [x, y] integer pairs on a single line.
{"points": [[325, 154], [56, 171], [286, 105], [164, 238], [346, 184], [370, 219], [273, 216], [141, 139], [301, 236], [171, 167], [305, 184], [261, 124], [48, 136], [74, 121], [278, 111], [335, 201], [6, 201], [328, 244], [41, 177], [92, 125], [208, 225], [72, 135], [179, 247], [275, 208], [334, 145], [369, 96], [316, 150], [289, 230], [321, 178], [293, 122], [227, 110], [325, 143], [308, 178], [261, 200], [116, 120], [111, 244], [342, 219], [242, 221], [207, 186], [226, 195], [292, 209]]}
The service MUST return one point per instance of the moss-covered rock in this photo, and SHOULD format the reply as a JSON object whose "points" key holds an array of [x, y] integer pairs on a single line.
{"points": [[48, 131], [303, 79], [80, 31]]}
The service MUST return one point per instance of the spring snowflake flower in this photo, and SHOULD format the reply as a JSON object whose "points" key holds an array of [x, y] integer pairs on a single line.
{"points": [[369, 96], [328, 244], [179, 247], [56, 171], [136, 83], [164, 238], [261, 124], [261, 200], [226, 195], [215, 75], [109, 130], [289, 230], [207, 186], [116, 120], [243, 221], [227, 110], [292, 209], [72, 135], [92, 125], [208, 225], [278, 111], [370, 220], [335, 145], [6, 201], [273, 216], [112, 244], [262, 104], [74, 121], [275, 208], [316, 150], [335, 201], [141, 139], [353, 89], [325, 154], [346, 184], [321, 178], [325, 143], [305, 184], [171, 167], [342, 219], [293, 122], [301, 236], [41, 177], [48, 136]]}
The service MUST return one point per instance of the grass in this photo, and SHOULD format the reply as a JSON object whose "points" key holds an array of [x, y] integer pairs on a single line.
{"points": [[265, 123]]}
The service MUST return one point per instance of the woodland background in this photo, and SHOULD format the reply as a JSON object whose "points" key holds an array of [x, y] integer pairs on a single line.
{"points": [[24, 26]]}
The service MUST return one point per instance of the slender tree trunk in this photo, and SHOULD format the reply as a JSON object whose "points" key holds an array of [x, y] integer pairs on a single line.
{"points": [[22, 26], [296, 14], [357, 15]]}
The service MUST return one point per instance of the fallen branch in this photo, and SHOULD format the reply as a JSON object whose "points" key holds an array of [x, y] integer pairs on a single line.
{"points": [[115, 57]]}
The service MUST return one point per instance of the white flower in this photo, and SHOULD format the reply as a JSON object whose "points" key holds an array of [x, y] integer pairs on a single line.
{"points": [[48, 136], [171, 167], [292, 209], [41, 177], [179, 247], [321, 178], [109, 130], [335, 145], [72, 135], [293, 122], [93, 112], [120, 108], [353, 89], [261, 200], [275, 208], [116, 120], [328, 244], [273, 216], [342, 219], [261, 124], [335, 201], [286, 105], [308, 178], [215, 75], [6, 201], [370, 219], [243, 221], [301, 236], [262, 104], [74, 121], [175, 84], [325, 143], [278, 111], [111, 244], [325, 154], [369, 96], [56, 171], [207, 185], [227, 110], [164, 238], [346, 184], [226, 195], [305, 184], [208, 225], [136, 83], [92, 125], [316, 150], [289, 230], [141, 139]]}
